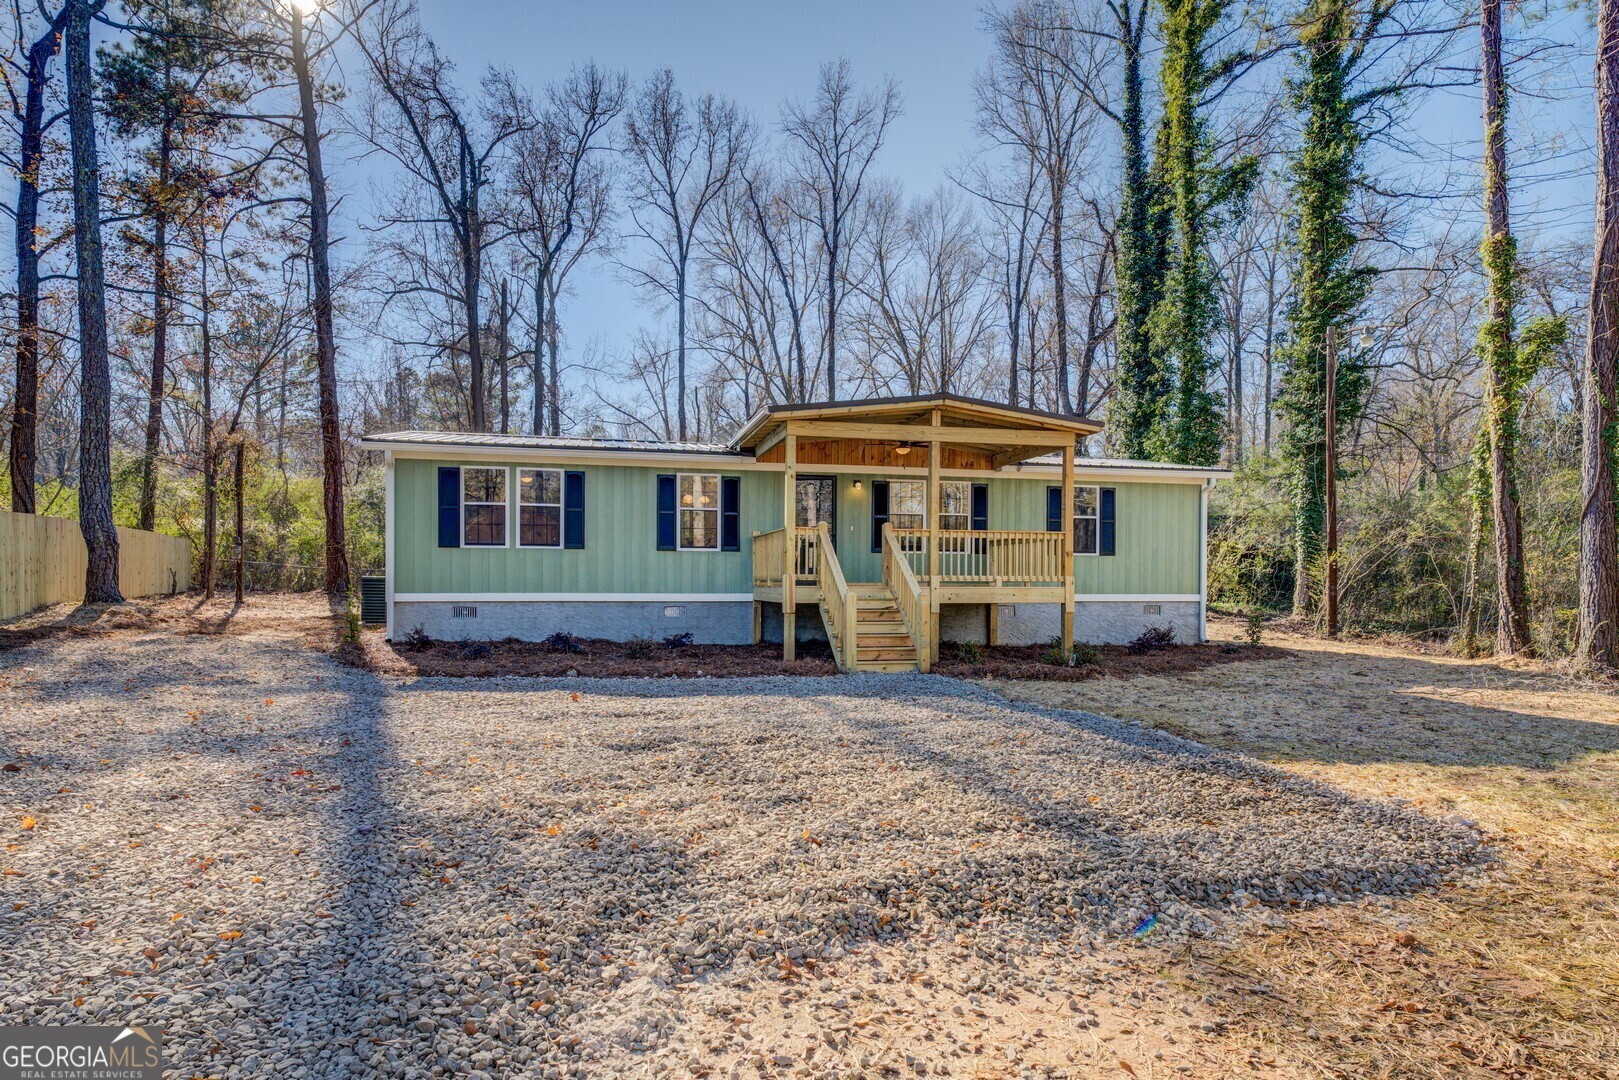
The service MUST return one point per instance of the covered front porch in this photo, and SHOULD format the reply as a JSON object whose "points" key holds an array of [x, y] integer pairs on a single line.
{"points": [[930, 545]]}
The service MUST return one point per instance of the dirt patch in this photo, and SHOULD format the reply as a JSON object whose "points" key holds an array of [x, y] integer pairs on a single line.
{"points": [[1516, 977], [1031, 662], [305, 615], [593, 659]]}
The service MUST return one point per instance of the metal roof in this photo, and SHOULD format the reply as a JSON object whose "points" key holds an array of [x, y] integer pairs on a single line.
{"points": [[539, 442]]}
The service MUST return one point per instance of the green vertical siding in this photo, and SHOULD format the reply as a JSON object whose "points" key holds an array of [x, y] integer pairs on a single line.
{"points": [[620, 553], [1157, 539]]}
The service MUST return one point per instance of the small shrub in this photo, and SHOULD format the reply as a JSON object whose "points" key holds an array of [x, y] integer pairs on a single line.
{"points": [[417, 640], [351, 624], [1253, 626], [563, 642], [474, 650], [1080, 655], [676, 641], [971, 652], [640, 648], [1152, 639]]}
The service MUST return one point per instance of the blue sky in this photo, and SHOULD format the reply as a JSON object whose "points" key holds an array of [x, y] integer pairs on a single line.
{"points": [[758, 53], [762, 54]]}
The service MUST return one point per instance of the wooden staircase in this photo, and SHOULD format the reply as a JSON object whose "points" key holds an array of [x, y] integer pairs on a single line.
{"points": [[881, 641]]}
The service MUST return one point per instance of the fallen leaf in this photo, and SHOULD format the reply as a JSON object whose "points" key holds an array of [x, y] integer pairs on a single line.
{"points": [[230, 935], [28, 823]]}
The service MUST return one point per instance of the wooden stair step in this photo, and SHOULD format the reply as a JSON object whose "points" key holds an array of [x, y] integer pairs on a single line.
{"points": [[883, 641], [887, 666], [863, 655]]}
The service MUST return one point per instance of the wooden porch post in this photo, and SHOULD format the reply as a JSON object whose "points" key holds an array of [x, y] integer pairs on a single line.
{"points": [[789, 577], [933, 503], [1068, 547]]}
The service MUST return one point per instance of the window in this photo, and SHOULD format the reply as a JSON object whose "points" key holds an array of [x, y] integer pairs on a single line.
{"points": [[699, 511], [539, 508], [1087, 517], [483, 507], [955, 504], [908, 504]]}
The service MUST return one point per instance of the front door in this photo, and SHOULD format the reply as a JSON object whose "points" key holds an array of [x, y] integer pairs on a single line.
{"points": [[817, 501]]}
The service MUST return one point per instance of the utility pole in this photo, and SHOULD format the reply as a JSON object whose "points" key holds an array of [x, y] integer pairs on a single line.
{"points": [[1332, 481]]}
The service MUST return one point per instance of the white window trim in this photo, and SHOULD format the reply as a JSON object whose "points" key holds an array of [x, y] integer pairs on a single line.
{"points": [[1095, 516], [719, 517], [926, 504], [517, 497], [506, 505]]}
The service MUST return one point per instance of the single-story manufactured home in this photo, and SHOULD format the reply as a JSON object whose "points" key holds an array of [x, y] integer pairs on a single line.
{"points": [[885, 526]]}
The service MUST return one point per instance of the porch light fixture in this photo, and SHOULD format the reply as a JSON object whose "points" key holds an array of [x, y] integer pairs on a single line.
{"points": [[857, 485], [902, 449]]}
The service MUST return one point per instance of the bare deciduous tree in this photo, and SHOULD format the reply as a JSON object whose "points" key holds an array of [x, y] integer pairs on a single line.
{"points": [[449, 151], [561, 204], [683, 156], [837, 133]]}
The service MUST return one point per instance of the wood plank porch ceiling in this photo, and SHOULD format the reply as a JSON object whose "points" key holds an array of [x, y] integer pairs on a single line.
{"points": [[897, 433]]}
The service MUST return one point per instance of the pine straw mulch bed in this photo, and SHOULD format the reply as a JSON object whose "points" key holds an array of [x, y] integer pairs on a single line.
{"points": [[617, 659], [1034, 662], [594, 659]]}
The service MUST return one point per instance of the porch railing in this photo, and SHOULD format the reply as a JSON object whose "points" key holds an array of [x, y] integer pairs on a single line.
{"points": [[986, 556], [770, 555], [912, 602]]}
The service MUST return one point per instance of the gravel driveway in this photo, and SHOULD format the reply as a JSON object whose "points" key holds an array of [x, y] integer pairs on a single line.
{"points": [[289, 864]]}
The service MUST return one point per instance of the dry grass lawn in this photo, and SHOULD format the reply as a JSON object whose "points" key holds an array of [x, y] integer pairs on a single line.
{"points": [[1517, 978]]}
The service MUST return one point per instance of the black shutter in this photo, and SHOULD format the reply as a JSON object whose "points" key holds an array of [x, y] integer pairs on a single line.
{"points": [[1054, 509], [879, 512], [666, 512], [573, 509], [980, 516], [1105, 531], [449, 507], [730, 513]]}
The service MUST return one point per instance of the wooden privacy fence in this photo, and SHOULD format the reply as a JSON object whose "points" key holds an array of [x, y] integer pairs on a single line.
{"points": [[42, 561]]}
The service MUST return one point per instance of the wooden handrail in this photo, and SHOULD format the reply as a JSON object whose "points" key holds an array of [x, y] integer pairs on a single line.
{"points": [[913, 607], [836, 600]]}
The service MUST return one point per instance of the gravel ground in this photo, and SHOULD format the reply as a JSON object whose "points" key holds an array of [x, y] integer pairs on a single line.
{"points": [[295, 866]]}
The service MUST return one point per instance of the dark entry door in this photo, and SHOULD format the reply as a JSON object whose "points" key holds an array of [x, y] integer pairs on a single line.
{"points": [[817, 501]]}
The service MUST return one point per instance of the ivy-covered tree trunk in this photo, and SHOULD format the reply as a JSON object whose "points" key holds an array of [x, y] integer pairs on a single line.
{"points": [[1328, 284], [1141, 385], [1195, 190], [1498, 347]]}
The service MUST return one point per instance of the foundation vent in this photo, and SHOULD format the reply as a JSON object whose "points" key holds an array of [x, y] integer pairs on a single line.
{"points": [[463, 611], [1152, 609]]}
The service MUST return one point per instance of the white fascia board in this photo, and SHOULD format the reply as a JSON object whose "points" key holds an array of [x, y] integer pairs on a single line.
{"points": [[570, 456], [566, 598], [1137, 598]]}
